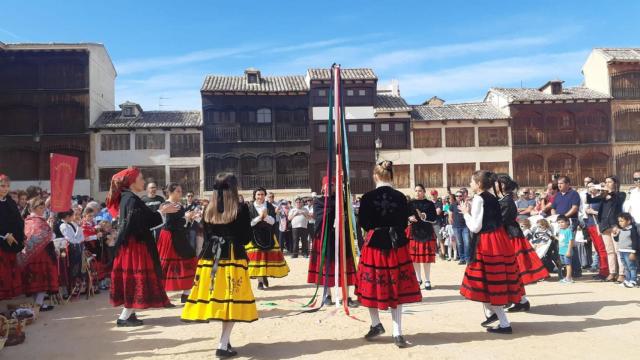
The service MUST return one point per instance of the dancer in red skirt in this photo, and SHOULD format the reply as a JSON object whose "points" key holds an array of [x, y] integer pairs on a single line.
{"points": [[39, 260], [530, 266], [177, 257], [11, 242], [422, 238], [386, 278], [492, 275], [136, 278], [326, 276]]}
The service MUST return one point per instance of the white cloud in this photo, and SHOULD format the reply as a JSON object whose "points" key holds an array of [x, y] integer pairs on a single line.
{"points": [[495, 73]]}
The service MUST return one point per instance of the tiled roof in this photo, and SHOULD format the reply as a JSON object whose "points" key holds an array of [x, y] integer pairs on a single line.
{"points": [[269, 84], [529, 94], [149, 119], [347, 74], [465, 111], [390, 103], [620, 54]]}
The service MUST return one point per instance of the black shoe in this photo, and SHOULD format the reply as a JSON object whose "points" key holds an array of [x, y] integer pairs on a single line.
{"points": [[400, 342], [184, 298], [260, 286], [490, 320], [265, 280], [420, 283], [294, 256], [327, 301], [500, 330], [462, 262], [520, 307], [130, 322], [352, 303], [169, 306], [427, 285], [46, 307], [599, 277], [224, 354], [374, 331]]}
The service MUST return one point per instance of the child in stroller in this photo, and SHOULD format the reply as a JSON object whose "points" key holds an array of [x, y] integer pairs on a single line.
{"points": [[545, 243]]}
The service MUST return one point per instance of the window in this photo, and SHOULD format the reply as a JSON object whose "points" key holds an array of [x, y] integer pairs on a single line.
{"points": [[427, 138], [398, 127], [496, 167], [127, 111], [384, 127], [401, 176], [366, 127], [350, 92], [188, 178], [322, 92], [220, 117], [252, 79], [149, 141], [265, 164], [459, 175], [429, 175], [322, 128], [154, 174], [353, 128], [493, 136], [185, 145], [362, 92], [264, 116], [104, 177], [111, 142], [460, 137]]}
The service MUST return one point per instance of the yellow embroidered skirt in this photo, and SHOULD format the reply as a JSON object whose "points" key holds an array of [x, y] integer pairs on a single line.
{"points": [[231, 298], [270, 263]]}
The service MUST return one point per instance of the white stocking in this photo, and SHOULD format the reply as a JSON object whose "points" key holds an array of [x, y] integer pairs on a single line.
{"points": [[416, 267], [427, 272], [126, 313], [488, 310], [40, 298], [396, 316], [375, 316], [524, 300], [502, 316], [186, 292], [225, 337]]}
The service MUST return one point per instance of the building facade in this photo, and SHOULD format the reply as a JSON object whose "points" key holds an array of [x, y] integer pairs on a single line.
{"points": [[557, 131], [616, 72], [50, 94], [449, 143], [257, 127], [165, 145]]}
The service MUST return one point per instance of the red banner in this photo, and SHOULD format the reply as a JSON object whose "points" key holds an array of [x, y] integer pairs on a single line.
{"points": [[63, 174]]}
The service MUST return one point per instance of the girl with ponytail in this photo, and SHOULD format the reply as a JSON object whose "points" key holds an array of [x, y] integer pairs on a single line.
{"points": [[491, 276]]}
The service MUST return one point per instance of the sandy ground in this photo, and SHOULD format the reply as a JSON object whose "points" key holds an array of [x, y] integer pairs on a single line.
{"points": [[582, 320]]}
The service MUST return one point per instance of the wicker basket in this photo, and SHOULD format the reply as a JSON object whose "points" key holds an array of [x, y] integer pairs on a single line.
{"points": [[13, 330], [4, 331]]}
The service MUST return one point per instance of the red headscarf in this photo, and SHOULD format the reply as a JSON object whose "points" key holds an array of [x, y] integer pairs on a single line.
{"points": [[120, 181]]}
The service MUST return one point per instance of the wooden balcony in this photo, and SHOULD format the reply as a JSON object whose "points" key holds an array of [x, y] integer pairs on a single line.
{"points": [[221, 133], [292, 181], [361, 185], [394, 141], [593, 136], [627, 134], [528, 137], [257, 133], [560, 137], [286, 132]]}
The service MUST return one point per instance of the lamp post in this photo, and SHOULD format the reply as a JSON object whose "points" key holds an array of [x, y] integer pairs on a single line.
{"points": [[378, 144]]}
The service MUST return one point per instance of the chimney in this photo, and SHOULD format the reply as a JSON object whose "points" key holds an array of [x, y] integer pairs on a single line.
{"points": [[252, 76], [434, 101], [553, 87], [130, 109]]}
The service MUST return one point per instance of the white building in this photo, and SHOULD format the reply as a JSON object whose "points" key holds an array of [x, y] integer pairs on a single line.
{"points": [[450, 142], [165, 145]]}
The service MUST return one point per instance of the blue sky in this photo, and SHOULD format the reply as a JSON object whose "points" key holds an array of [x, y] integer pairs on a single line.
{"points": [[453, 49]]}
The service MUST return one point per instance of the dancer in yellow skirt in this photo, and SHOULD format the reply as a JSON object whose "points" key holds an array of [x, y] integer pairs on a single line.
{"points": [[265, 256], [222, 290]]}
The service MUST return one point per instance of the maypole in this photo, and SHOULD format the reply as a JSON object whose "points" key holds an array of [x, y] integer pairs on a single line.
{"points": [[337, 115]]}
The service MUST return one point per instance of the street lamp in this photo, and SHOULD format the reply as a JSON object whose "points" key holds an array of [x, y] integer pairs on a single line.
{"points": [[378, 144]]}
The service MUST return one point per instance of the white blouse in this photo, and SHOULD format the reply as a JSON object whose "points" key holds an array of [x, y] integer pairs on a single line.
{"points": [[72, 236], [260, 208], [474, 218]]}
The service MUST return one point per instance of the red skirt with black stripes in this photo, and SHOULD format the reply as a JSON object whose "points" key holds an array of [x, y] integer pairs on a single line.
{"points": [[494, 276], [531, 267], [327, 273], [177, 273], [386, 278], [422, 251]]}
